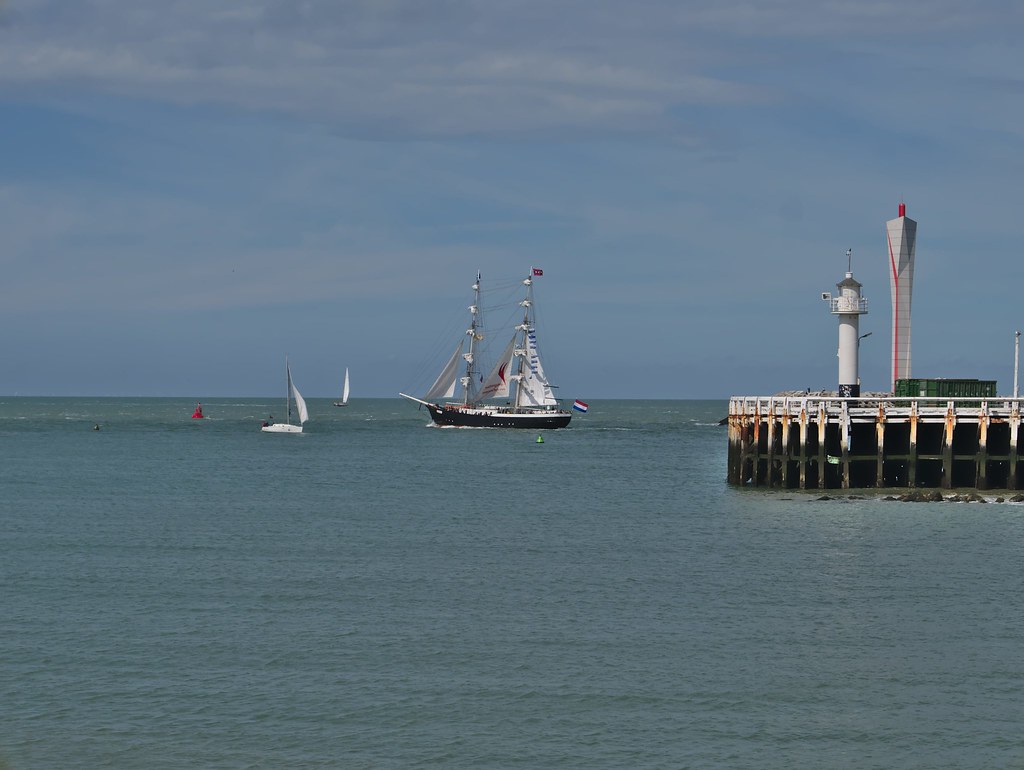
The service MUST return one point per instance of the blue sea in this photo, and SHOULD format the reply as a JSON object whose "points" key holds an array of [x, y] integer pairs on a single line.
{"points": [[377, 593]]}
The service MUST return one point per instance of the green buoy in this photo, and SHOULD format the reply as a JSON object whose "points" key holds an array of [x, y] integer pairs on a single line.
{"points": [[540, 439]]}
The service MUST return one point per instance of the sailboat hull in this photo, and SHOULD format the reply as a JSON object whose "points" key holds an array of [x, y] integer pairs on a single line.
{"points": [[282, 427], [470, 417]]}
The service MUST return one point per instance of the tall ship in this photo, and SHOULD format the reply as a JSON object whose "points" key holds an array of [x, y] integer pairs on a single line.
{"points": [[517, 378]]}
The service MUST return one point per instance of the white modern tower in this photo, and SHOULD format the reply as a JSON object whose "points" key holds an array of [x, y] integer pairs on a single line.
{"points": [[902, 235], [849, 306]]}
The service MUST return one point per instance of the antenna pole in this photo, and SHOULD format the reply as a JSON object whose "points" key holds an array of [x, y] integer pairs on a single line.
{"points": [[1016, 360]]}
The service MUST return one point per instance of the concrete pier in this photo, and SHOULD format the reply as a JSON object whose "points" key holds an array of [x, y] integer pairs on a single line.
{"points": [[828, 442]]}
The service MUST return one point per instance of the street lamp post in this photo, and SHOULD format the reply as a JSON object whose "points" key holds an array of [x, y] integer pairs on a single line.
{"points": [[868, 334]]}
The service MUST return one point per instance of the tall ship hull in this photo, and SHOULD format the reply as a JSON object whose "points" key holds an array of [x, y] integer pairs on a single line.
{"points": [[456, 415], [517, 380]]}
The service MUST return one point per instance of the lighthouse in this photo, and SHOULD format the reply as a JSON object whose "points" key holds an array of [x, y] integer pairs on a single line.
{"points": [[902, 238], [849, 306]]}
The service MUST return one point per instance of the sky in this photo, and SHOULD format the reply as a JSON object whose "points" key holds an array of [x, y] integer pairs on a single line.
{"points": [[191, 191]]}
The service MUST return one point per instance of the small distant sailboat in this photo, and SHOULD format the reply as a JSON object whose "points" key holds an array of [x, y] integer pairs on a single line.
{"points": [[291, 394], [344, 392]]}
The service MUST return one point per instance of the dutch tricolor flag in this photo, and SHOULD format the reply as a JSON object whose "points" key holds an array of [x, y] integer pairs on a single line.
{"points": [[579, 406]]}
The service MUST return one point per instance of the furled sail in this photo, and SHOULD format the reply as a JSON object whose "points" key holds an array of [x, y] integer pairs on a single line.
{"points": [[444, 386], [534, 389], [497, 384]]}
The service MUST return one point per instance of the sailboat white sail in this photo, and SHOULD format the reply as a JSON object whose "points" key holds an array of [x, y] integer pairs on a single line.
{"points": [[344, 392], [533, 404], [534, 388], [444, 385], [300, 402], [499, 380], [291, 394]]}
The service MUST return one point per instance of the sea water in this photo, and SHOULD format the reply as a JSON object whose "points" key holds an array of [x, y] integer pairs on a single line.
{"points": [[377, 593]]}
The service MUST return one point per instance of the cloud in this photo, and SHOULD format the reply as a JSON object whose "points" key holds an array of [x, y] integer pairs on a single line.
{"points": [[526, 71], [462, 67]]}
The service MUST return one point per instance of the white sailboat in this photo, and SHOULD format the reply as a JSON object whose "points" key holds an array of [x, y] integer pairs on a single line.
{"points": [[344, 392], [532, 406], [291, 394]]}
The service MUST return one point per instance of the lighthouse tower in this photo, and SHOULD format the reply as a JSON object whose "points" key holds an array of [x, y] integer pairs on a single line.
{"points": [[902, 236], [849, 306]]}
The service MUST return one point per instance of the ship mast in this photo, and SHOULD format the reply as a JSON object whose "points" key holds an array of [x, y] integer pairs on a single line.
{"points": [[288, 392], [474, 336], [522, 349]]}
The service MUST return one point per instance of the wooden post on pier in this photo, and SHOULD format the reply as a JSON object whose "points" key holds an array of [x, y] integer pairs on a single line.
{"points": [[822, 422], [947, 447], [845, 443], [756, 452], [912, 449], [735, 449], [786, 453], [880, 440], [981, 457], [803, 446], [1014, 429]]}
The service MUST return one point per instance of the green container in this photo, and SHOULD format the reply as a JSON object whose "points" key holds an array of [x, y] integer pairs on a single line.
{"points": [[945, 388]]}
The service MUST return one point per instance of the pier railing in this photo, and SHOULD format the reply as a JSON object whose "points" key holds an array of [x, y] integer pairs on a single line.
{"points": [[861, 405], [845, 304]]}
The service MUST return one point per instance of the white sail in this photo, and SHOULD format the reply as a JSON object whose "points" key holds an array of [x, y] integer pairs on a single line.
{"points": [[344, 391], [300, 402], [534, 389], [497, 384], [444, 385]]}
